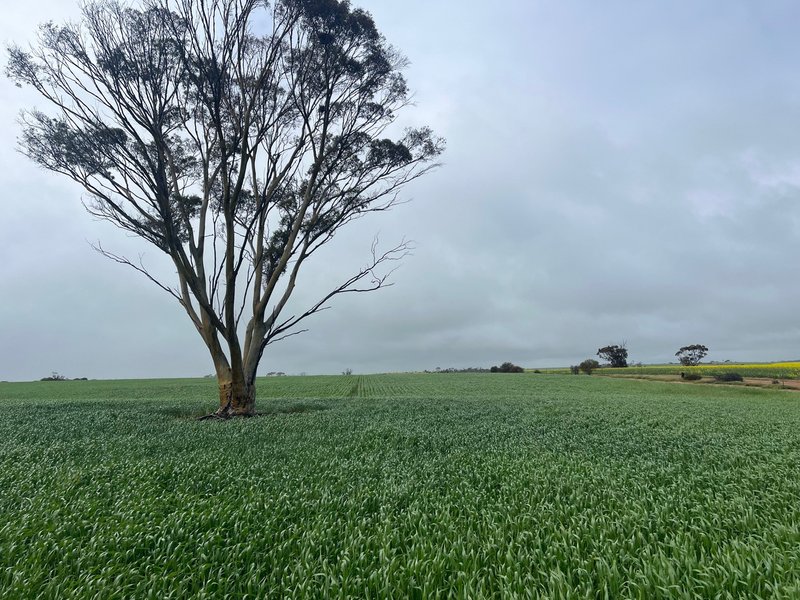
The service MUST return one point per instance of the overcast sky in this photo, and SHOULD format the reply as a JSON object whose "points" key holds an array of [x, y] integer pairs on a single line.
{"points": [[616, 171]]}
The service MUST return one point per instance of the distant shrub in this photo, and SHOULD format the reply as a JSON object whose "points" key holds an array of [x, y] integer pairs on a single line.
{"points": [[507, 367], [54, 377], [728, 377], [575, 369], [589, 365], [691, 376], [536, 371]]}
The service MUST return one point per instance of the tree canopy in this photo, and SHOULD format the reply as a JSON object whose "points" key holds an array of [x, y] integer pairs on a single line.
{"points": [[616, 355], [691, 356], [236, 136]]}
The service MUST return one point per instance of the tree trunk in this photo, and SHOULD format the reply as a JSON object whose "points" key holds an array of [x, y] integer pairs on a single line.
{"points": [[236, 398]]}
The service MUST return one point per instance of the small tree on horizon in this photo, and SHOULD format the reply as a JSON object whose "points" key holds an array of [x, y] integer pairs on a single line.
{"points": [[617, 355], [237, 137], [690, 356], [589, 365]]}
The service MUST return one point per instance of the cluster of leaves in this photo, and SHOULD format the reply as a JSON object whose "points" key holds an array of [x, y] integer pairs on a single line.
{"points": [[324, 78], [562, 488]]}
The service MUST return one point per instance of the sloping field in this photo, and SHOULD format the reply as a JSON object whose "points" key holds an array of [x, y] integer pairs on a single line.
{"points": [[450, 486]]}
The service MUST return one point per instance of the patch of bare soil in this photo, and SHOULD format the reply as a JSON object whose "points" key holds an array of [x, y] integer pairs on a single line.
{"points": [[788, 384], [761, 382]]}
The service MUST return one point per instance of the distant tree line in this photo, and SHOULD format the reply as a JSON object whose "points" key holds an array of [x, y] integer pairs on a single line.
{"points": [[455, 370], [55, 376], [506, 367], [616, 356]]}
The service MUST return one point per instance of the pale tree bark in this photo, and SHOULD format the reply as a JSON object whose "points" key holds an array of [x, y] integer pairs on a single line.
{"points": [[238, 149]]}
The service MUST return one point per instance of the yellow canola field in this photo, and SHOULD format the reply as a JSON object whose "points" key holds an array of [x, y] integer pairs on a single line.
{"points": [[778, 370], [767, 367], [777, 365]]}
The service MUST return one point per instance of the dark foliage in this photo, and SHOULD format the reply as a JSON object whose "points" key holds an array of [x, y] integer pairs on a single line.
{"points": [[691, 356], [589, 365], [728, 377], [54, 377], [617, 356], [507, 367], [691, 376]]}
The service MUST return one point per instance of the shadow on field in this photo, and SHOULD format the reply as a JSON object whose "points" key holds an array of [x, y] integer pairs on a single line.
{"points": [[181, 412], [290, 409]]}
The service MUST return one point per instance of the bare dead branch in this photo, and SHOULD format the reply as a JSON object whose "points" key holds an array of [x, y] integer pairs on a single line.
{"points": [[140, 268]]}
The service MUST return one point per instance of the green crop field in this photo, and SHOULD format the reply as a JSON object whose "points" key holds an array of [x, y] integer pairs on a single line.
{"points": [[396, 486]]}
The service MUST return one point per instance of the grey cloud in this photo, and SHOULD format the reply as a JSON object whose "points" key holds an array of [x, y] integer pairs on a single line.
{"points": [[615, 172]]}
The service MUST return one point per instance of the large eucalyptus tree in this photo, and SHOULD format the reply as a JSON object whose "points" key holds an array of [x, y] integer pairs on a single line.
{"points": [[238, 137]]}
